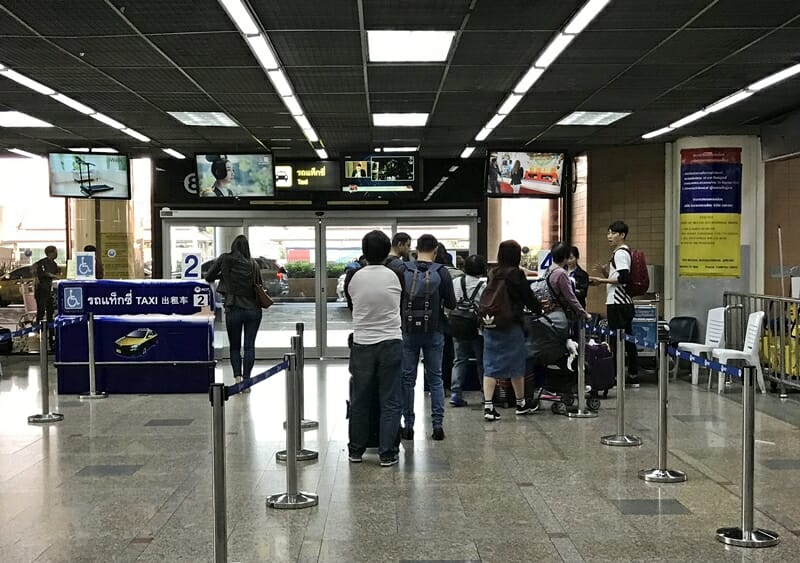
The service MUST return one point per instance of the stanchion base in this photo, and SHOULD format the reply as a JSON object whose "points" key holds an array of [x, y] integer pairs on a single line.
{"points": [[44, 418], [662, 476], [89, 396], [309, 423], [575, 413], [302, 455], [621, 440], [299, 500], [752, 538]]}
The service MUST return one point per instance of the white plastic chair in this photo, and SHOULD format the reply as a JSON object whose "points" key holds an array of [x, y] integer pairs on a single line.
{"points": [[750, 352], [715, 337]]}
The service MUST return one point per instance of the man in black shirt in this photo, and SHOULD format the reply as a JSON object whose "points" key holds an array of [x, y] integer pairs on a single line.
{"points": [[45, 271]]}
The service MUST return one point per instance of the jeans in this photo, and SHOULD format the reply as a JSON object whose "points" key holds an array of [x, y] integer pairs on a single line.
{"points": [[375, 365], [432, 345], [621, 316], [237, 318], [45, 307], [466, 349]]}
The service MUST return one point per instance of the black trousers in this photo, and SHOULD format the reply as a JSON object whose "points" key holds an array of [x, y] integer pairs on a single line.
{"points": [[621, 316], [45, 307]]}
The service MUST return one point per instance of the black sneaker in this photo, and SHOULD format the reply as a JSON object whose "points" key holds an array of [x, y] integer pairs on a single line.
{"points": [[438, 433], [491, 414], [354, 458], [456, 401], [389, 461], [407, 433], [632, 381], [528, 406]]}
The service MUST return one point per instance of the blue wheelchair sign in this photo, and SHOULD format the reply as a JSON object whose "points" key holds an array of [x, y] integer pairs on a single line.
{"points": [[85, 265], [73, 298]]}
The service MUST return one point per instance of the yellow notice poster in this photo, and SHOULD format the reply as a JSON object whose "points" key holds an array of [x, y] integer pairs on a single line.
{"points": [[115, 248], [710, 245]]}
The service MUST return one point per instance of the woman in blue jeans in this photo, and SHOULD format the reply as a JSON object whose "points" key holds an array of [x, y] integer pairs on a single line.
{"points": [[238, 272]]}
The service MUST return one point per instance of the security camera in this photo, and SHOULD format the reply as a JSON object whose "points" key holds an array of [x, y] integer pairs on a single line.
{"points": [[319, 213]]}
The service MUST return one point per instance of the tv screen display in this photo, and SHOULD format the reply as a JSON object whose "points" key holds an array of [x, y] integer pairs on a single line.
{"points": [[310, 175], [89, 175], [536, 174], [379, 173], [235, 175]]}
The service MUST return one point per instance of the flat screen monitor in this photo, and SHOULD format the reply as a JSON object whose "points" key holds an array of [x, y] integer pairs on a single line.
{"points": [[307, 175], [100, 176], [379, 173], [524, 174], [235, 175]]}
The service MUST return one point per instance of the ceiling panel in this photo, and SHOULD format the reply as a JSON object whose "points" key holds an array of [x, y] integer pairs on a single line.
{"points": [[634, 14], [549, 15], [183, 101], [22, 53], [612, 47], [322, 80], [414, 78], [743, 13], [317, 48], [306, 14], [113, 51], [232, 80], [69, 19], [69, 80], [702, 45], [160, 17], [780, 47], [148, 80], [480, 79], [335, 103], [500, 48], [406, 102], [221, 49], [414, 14]]}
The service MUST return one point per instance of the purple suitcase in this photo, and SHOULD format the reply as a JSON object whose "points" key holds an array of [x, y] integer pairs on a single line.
{"points": [[600, 367]]}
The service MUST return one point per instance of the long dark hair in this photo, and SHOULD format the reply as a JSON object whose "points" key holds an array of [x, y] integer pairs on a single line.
{"points": [[508, 254], [241, 245]]}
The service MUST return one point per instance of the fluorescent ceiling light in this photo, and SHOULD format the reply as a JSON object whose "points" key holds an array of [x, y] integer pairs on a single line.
{"points": [[495, 121], [302, 121], [774, 78], [311, 135], [106, 150], [280, 82], [27, 82], [482, 134], [528, 80], [734, 98], [585, 16], [263, 52], [103, 118], [409, 46], [322, 153], [656, 133], [400, 149], [399, 119], [136, 135], [593, 117], [292, 105], [553, 50], [688, 119], [466, 153], [455, 166], [24, 153], [19, 119], [74, 104], [203, 118], [173, 153], [240, 16], [378, 149], [510, 103]]}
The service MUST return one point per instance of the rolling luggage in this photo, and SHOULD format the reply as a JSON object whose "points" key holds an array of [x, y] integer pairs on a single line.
{"points": [[600, 367]]}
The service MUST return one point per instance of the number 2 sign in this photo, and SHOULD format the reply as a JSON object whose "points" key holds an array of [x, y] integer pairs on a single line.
{"points": [[190, 266]]}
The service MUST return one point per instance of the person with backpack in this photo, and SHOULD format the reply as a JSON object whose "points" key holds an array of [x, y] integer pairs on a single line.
{"points": [[619, 303], [401, 248], [502, 319], [428, 291], [448, 353], [238, 272], [463, 323]]}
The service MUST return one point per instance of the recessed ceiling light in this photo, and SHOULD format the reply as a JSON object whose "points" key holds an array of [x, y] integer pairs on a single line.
{"points": [[263, 52], [27, 82], [26, 154], [774, 78], [495, 121], [292, 105], [553, 50], [102, 118], [173, 153], [19, 119], [656, 133], [455, 166], [106, 150], [203, 118], [302, 121], [510, 103], [734, 98], [136, 135], [394, 46], [280, 82], [528, 80], [465, 154], [593, 117], [399, 119], [482, 134], [74, 104], [240, 16], [322, 153], [586, 14], [689, 119], [398, 149], [311, 135]]}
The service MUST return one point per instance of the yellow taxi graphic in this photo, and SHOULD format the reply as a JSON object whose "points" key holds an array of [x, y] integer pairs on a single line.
{"points": [[136, 342]]}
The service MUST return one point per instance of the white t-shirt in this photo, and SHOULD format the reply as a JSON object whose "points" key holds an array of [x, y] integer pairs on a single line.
{"points": [[471, 282], [375, 292], [615, 293]]}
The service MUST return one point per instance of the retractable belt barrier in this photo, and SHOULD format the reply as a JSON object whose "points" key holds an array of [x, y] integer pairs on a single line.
{"points": [[38, 328]]}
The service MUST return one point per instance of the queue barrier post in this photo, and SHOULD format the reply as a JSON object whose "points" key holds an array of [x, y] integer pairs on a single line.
{"points": [[218, 395], [660, 474], [92, 394], [44, 383], [620, 438], [292, 498], [746, 535], [302, 454], [305, 423], [582, 411]]}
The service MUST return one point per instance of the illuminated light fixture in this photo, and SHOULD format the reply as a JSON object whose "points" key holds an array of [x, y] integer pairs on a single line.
{"points": [[292, 105], [394, 46], [553, 50], [399, 119], [455, 166], [466, 153], [27, 82], [173, 153], [74, 104], [26, 154], [203, 118], [278, 79], [105, 150], [734, 98], [378, 149], [510, 103], [689, 119], [263, 52], [495, 121], [656, 133], [311, 135], [593, 117], [482, 134], [584, 16], [774, 78], [322, 153], [302, 121], [240, 16], [528, 80], [398, 149], [103, 118], [136, 135], [19, 119]]}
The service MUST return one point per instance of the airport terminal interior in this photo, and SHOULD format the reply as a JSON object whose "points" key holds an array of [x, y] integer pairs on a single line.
{"points": [[140, 139]]}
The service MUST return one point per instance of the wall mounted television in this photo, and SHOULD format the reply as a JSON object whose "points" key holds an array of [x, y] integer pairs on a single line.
{"points": [[235, 175], [307, 175], [98, 176], [524, 174], [379, 173]]}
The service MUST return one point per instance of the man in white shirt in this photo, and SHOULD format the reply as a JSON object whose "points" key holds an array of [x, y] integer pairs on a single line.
{"points": [[474, 281]]}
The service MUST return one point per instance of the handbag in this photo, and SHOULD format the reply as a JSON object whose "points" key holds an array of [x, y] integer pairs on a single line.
{"points": [[262, 297]]}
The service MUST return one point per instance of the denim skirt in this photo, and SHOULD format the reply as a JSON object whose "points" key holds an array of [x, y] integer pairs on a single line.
{"points": [[504, 352]]}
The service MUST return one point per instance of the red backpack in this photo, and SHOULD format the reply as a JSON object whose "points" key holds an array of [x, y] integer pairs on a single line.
{"points": [[640, 279]]}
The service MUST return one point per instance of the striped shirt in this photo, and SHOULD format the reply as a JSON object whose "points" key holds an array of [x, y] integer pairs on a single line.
{"points": [[615, 293]]}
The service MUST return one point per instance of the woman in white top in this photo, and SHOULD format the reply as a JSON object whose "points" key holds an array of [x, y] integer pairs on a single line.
{"points": [[475, 277]]}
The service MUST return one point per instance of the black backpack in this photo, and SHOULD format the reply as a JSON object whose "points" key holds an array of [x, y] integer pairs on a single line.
{"points": [[495, 309], [464, 320], [422, 311]]}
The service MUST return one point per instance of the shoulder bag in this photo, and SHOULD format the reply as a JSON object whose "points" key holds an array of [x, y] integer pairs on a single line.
{"points": [[262, 297]]}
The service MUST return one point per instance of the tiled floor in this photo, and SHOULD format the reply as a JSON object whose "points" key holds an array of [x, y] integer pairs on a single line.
{"points": [[128, 479]]}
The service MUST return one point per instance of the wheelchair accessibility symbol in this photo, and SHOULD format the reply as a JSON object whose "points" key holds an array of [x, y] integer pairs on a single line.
{"points": [[73, 298]]}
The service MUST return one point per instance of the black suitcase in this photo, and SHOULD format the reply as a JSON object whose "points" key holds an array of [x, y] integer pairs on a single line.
{"points": [[600, 367], [6, 344]]}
